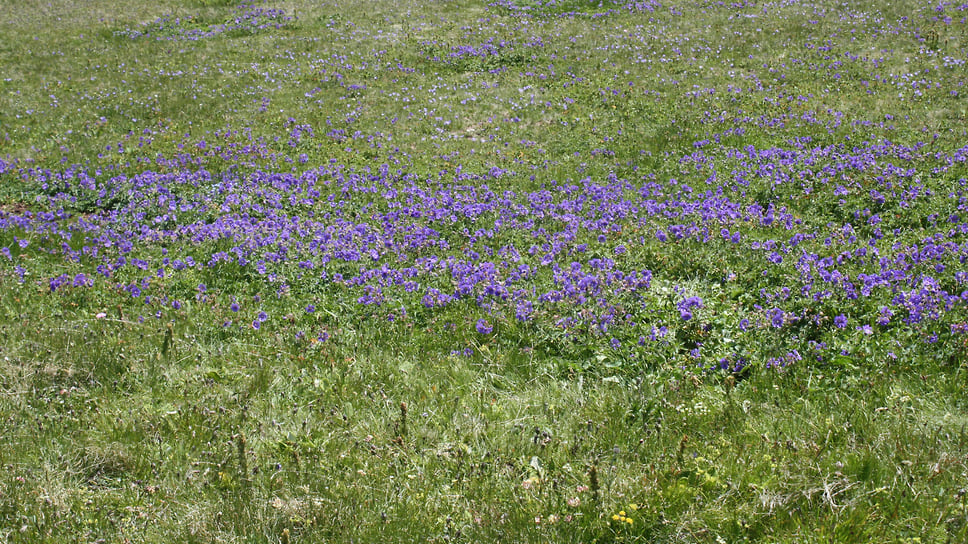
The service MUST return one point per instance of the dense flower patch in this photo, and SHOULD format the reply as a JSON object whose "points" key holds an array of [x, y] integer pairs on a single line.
{"points": [[604, 262]]}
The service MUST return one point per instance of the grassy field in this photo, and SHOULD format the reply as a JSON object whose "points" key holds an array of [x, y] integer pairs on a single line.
{"points": [[459, 271]]}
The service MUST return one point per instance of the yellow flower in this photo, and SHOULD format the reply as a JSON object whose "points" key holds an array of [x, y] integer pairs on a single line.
{"points": [[615, 517]]}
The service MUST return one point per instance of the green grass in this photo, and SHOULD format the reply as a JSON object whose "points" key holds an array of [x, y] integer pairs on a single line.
{"points": [[123, 421], [214, 440]]}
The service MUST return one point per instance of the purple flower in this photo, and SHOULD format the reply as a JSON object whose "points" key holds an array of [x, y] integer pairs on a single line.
{"points": [[262, 317], [686, 305], [234, 307], [885, 318], [81, 280], [483, 326], [840, 321], [55, 283], [776, 317]]}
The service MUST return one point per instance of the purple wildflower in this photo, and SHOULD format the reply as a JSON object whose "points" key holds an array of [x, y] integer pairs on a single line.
{"points": [[484, 327]]}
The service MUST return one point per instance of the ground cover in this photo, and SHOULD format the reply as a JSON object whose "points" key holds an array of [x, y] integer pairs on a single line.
{"points": [[520, 270]]}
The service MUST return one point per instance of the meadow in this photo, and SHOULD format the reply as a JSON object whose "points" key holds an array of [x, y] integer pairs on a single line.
{"points": [[469, 271]]}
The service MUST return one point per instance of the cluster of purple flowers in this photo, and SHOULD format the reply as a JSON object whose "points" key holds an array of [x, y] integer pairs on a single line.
{"points": [[247, 17], [532, 255]]}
